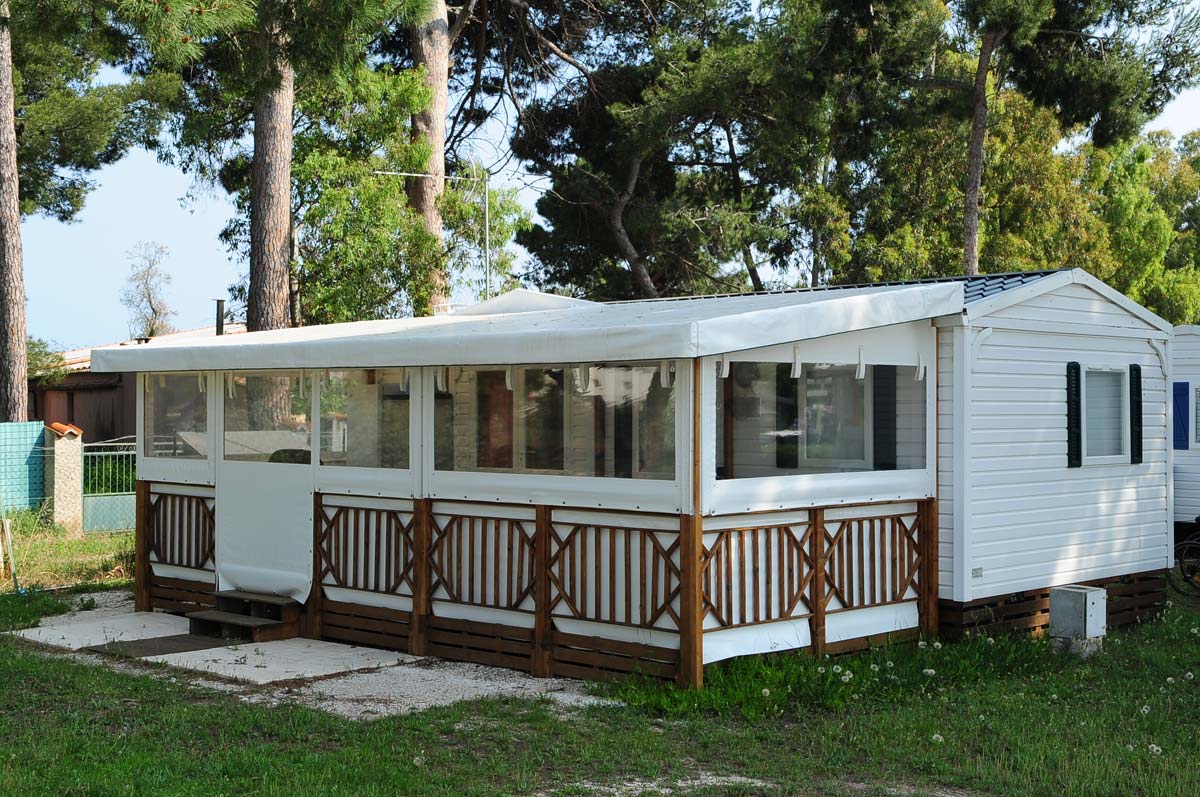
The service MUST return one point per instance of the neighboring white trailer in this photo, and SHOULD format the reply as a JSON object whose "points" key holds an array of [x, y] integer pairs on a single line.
{"points": [[581, 488], [1185, 397]]}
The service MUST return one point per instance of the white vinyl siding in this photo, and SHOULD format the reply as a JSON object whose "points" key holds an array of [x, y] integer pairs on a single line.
{"points": [[945, 461], [1032, 521]]}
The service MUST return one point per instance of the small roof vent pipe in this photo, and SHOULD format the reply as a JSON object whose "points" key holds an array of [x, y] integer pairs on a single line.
{"points": [[220, 316]]}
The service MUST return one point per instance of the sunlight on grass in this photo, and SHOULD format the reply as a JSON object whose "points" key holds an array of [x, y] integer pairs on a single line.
{"points": [[48, 556]]}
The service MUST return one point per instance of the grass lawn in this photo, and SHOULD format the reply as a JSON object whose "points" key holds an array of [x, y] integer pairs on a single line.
{"points": [[48, 556], [1002, 718]]}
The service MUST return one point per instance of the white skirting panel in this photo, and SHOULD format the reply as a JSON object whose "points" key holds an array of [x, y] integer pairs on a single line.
{"points": [[842, 626], [482, 614], [619, 633], [364, 598], [182, 573], [726, 643]]}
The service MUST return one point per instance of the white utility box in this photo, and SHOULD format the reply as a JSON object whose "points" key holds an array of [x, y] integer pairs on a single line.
{"points": [[1078, 612]]}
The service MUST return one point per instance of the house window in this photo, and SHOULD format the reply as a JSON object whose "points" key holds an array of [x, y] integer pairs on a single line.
{"points": [[828, 420], [176, 416], [1105, 430], [268, 418], [365, 419], [597, 420]]}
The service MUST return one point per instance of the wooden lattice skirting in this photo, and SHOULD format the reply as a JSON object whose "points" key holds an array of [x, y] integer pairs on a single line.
{"points": [[180, 595], [356, 624], [1132, 598]]}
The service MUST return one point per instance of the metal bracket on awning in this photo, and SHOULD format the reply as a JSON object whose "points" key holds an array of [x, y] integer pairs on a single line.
{"points": [[666, 373], [202, 382], [723, 366], [797, 366], [440, 378], [860, 373], [508, 378], [583, 378], [919, 376]]}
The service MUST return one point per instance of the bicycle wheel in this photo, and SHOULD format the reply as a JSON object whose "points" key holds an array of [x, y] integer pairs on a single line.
{"points": [[1187, 566]]}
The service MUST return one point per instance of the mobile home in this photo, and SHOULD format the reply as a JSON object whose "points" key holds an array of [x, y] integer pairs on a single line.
{"points": [[581, 488]]}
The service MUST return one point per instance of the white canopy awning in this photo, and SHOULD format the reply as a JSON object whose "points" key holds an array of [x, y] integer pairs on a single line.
{"points": [[528, 329]]}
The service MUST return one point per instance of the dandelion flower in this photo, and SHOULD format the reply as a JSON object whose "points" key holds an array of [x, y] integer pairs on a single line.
{"points": [[1195, 631], [419, 761], [1129, 747], [1054, 697], [1189, 676], [937, 737], [921, 644], [821, 670], [1155, 749], [1170, 679], [929, 673], [766, 693], [1145, 710], [837, 668], [890, 665], [846, 678], [874, 668], [937, 645], [991, 641]]}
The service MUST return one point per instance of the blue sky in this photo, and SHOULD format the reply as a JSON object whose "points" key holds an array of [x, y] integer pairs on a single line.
{"points": [[74, 272]]}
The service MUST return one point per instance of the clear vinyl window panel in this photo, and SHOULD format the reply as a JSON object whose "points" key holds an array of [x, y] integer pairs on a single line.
{"points": [[175, 416], [268, 417], [832, 418], [365, 417], [615, 421], [1104, 413]]}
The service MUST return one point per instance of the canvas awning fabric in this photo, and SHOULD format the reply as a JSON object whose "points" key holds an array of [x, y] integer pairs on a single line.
{"points": [[537, 328]]}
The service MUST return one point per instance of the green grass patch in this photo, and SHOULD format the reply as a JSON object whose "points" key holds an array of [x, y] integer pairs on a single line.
{"points": [[47, 555], [26, 608], [1005, 718]]}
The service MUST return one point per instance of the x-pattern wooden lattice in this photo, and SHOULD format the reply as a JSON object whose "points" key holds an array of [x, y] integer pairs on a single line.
{"points": [[872, 561], [367, 549], [628, 576], [182, 530], [468, 554], [757, 574]]}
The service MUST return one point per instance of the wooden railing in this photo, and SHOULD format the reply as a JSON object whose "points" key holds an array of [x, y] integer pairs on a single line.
{"points": [[541, 583], [176, 528], [182, 530]]}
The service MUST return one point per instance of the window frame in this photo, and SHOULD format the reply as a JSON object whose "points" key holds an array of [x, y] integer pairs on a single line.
{"points": [[1194, 415], [1121, 457], [178, 470], [559, 487]]}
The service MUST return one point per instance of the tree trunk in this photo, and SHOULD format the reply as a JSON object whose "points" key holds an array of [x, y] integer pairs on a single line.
{"points": [[271, 196], [431, 50], [987, 47], [616, 222], [14, 387], [735, 175]]}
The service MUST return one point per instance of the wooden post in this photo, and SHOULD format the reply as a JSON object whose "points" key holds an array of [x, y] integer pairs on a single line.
{"points": [[927, 545], [310, 621], [817, 556], [541, 660], [691, 545], [691, 640], [418, 628], [141, 548]]}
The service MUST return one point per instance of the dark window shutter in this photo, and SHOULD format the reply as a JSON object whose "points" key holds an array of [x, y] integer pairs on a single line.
{"points": [[1135, 414], [1179, 412], [787, 416], [883, 397], [1074, 427]]}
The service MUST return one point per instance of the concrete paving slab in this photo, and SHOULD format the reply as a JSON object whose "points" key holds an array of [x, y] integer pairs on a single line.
{"points": [[285, 660], [84, 631]]}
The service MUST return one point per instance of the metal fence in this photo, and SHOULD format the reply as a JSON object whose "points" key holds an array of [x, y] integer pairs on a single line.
{"points": [[23, 465], [109, 482]]}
